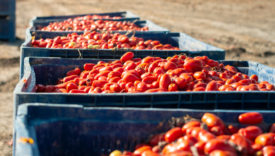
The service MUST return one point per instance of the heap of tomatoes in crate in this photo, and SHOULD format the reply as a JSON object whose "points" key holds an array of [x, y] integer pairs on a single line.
{"points": [[90, 25], [98, 40], [154, 74], [210, 136]]}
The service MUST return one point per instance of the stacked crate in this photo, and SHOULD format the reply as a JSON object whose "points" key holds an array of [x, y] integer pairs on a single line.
{"points": [[7, 19], [45, 117]]}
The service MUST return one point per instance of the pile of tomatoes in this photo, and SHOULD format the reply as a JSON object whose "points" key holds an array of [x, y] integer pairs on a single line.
{"points": [[97, 40], [90, 25], [154, 74], [91, 17], [210, 136]]}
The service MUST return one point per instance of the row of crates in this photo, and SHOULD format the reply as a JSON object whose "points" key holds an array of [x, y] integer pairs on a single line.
{"points": [[92, 124], [7, 19]]}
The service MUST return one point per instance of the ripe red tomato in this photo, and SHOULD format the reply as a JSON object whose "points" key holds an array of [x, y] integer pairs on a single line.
{"points": [[173, 134], [250, 132], [250, 118], [211, 120], [127, 56], [217, 144], [193, 65]]}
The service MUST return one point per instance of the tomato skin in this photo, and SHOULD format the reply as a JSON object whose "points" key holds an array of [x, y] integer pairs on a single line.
{"points": [[75, 71], [149, 153], [212, 120], [88, 66], [205, 136], [173, 134], [250, 132], [265, 139], [127, 56], [217, 144], [272, 128], [142, 149], [189, 125], [193, 65], [164, 81], [250, 118], [71, 86], [222, 153], [269, 151], [243, 143]]}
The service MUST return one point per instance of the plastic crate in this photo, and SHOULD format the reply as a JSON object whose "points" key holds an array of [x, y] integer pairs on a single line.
{"points": [[123, 14], [7, 19], [187, 44], [74, 130], [48, 70], [152, 27], [7, 7]]}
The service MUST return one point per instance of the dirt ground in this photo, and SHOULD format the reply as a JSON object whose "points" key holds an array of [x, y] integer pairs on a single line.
{"points": [[244, 28]]}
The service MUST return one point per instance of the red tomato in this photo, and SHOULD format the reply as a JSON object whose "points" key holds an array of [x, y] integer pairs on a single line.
{"points": [[193, 65], [265, 139], [250, 118], [173, 134], [127, 56], [212, 120], [164, 81], [217, 144], [222, 153], [269, 151], [142, 149], [250, 132]]}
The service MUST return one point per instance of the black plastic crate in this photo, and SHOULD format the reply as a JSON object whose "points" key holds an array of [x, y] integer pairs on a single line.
{"points": [[76, 130], [47, 71], [152, 27], [187, 44]]}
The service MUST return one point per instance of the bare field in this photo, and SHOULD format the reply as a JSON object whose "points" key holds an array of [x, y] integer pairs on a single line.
{"points": [[244, 28]]}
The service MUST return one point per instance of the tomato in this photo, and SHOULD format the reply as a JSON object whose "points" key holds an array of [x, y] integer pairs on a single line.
{"points": [[75, 71], [149, 153], [217, 144], [173, 134], [192, 65], [199, 75], [164, 81], [212, 86], [142, 149], [172, 87], [88, 66], [190, 124], [222, 153], [250, 132], [265, 139], [242, 143], [211, 120], [205, 136], [250, 118], [71, 86], [128, 77], [269, 151], [127, 56]]}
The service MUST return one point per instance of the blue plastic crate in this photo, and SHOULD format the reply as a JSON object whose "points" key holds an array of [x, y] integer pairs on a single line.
{"points": [[7, 7], [7, 19], [75, 130], [49, 70], [152, 27], [187, 44], [123, 14]]}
